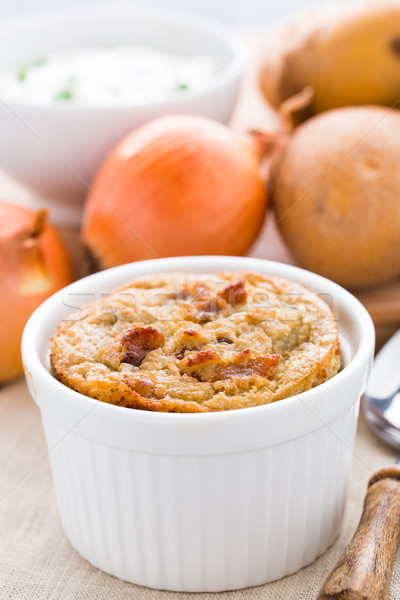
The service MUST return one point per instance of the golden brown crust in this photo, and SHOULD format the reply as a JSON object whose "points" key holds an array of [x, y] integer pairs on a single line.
{"points": [[198, 343], [234, 293], [210, 366]]}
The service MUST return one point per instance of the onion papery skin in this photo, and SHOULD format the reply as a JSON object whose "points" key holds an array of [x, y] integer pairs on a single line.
{"points": [[33, 265], [179, 185]]}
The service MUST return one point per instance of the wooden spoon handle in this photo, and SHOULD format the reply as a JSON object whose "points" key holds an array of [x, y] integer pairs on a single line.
{"points": [[364, 570]]}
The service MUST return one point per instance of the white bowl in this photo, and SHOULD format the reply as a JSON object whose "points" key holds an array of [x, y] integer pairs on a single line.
{"points": [[57, 149], [201, 502]]}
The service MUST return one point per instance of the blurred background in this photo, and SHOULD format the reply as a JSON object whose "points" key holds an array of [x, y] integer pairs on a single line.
{"points": [[28, 144], [256, 14]]}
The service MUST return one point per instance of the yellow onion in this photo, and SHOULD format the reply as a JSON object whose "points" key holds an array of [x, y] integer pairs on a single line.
{"points": [[178, 185], [33, 265]]}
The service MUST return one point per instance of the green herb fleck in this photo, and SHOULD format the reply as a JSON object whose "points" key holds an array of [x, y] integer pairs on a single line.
{"points": [[39, 62], [182, 86], [63, 95], [23, 69]]}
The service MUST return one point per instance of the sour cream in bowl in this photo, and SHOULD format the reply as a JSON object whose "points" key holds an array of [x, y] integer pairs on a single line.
{"points": [[73, 82], [106, 76]]}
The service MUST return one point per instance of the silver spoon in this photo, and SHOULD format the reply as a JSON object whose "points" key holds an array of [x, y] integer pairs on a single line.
{"points": [[364, 570], [381, 401]]}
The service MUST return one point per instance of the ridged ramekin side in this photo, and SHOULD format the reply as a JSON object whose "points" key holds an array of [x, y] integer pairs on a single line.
{"points": [[203, 523]]}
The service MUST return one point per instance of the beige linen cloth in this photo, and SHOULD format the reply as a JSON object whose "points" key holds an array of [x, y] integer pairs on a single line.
{"points": [[38, 563]]}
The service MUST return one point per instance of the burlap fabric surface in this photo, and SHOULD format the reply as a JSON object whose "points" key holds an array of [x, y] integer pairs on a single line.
{"points": [[38, 563]]}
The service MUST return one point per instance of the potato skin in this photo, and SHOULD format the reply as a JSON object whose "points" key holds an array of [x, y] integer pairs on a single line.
{"points": [[337, 195], [349, 58]]}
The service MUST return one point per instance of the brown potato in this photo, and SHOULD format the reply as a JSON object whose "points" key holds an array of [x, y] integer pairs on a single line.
{"points": [[337, 195], [348, 55]]}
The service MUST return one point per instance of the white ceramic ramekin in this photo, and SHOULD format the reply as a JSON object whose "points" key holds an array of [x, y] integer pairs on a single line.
{"points": [[201, 502]]}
